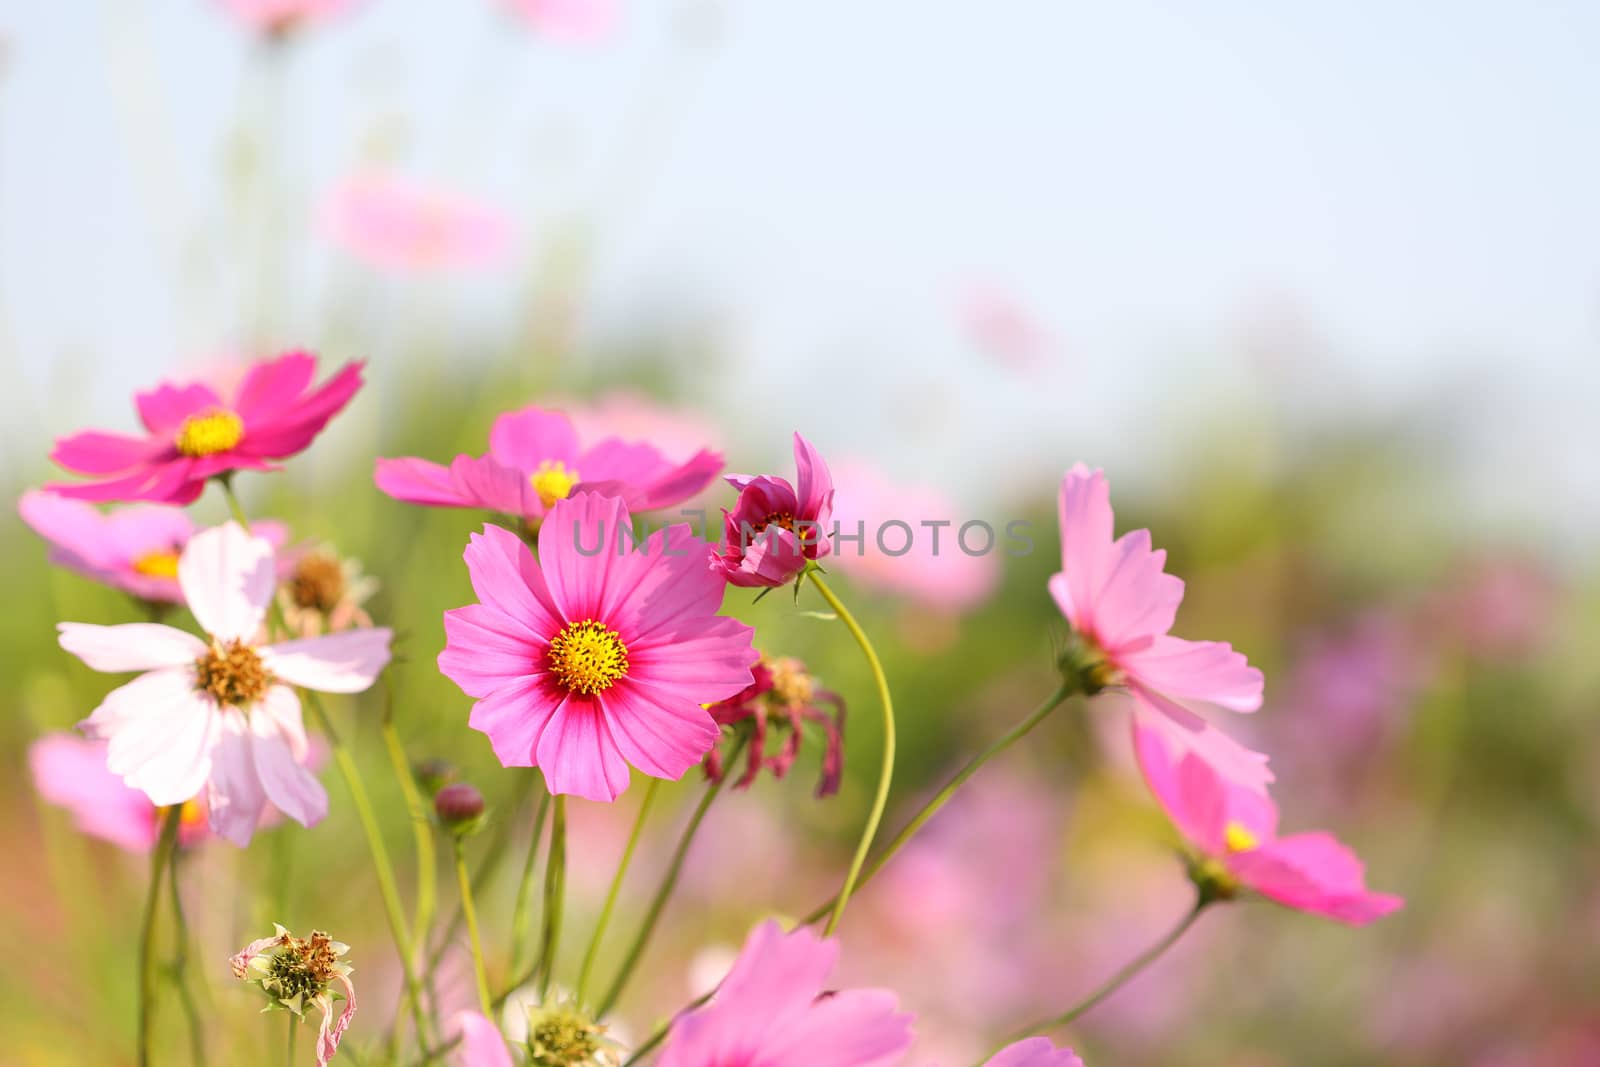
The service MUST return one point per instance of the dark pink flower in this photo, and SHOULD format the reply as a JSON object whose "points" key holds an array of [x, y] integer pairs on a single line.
{"points": [[1121, 606], [1034, 1052], [193, 433], [535, 460], [598, 655], [776, 528], [785, 697], [775, 1009], [1234, 832]]}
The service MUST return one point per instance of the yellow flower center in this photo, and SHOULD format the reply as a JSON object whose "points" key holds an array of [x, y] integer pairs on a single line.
{"points": [[208, 434], [791, 685], [553, 481], [191, 813], [1239, 839], [587, 657], [157, 564], [232, 673]]}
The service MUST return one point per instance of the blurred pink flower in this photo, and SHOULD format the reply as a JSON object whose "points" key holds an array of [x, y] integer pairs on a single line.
{"points": [[935, 571], [1498, 607], [194, 435], [391, 223], [572, 21], [1003, 328], [1121, 606], [221, 714], [320, 591], [633, 416], [280, 16], [134, 549], [776, 528], [586, 661], [481, 1045], [70, 772], [1235, 831], [774, 1009], [535, 460], [1034, 1052]]}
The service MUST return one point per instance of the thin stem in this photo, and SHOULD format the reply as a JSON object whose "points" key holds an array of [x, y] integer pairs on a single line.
{"points": [[421, 827], [226, 481], [472, 930], [387, 889], [486, 868], [931, 808], [555, 888], [160, 860], [664, 890], [880, 799], [1116, 981], [616, 887], [519, 911], [180, 962], [294, 1031]]}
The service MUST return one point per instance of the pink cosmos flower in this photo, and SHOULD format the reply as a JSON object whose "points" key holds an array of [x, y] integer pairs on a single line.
{"points": [[221, 714], [70, 772], [280, 16], [599, 655], [1121, 605], [193, 433], [1004, 329], [776, 528], [1234, 831], [481, 1045], [535, 459], [399, 225], [134, 549], [633, 416], [301, 973], [574, 21], [1034, 1052], [774, 1010]]}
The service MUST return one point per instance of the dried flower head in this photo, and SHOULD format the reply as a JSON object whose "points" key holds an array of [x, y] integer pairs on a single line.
{"points": [[784, 696], [560, 1035], [324, 592], [297, 973]]}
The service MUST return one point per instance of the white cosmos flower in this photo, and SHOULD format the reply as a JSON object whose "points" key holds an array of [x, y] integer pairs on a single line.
{"points": [[220, 714]]}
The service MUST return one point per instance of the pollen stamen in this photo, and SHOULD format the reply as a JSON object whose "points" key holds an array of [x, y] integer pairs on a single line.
{"points": [[553, 480], [587, 657], [232, 674], [209, 433], [157, 564]]}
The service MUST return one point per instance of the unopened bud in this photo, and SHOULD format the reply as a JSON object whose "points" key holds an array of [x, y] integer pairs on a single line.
{"points": [[459, 807]]}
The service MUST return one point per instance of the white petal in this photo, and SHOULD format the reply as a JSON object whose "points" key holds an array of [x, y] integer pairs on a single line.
{"points": [[282, 705], [227, 578], [133, 646], [133, 701], [346, 662], [291, 788], [234, 797], [161, 737]]}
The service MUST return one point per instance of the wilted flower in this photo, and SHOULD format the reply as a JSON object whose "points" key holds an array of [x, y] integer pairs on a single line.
{"points": [[221, 714], [398, 225], [193, 434], [297, 974], [785, 696], [323, 592], [587, 660], [1034, 1052], [776, 528], [1121, 605], [774, 1009], [1234, 834]]}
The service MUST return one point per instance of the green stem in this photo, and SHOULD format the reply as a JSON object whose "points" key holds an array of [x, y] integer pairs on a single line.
{"points": [[387, 889], [472, 930], [487, 866], [555, 886], [226, 481], [880, 800], [294, 1031], [180, 962], [422, 830], [519, 911], [931, 808], [616, 887], [160, 860], [664, 890], [1116, 981]]}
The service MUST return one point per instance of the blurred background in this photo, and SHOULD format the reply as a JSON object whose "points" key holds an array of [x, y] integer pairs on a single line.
{"points": [[1317, 287]]}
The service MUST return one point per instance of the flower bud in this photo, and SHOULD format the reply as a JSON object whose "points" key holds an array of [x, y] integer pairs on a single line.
{"points": [[460, 808], [434, 774]]}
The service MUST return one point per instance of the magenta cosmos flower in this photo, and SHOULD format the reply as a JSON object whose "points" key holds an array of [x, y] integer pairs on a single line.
{"points": [[1234, 833], [193, 433], [776, 528], [220, 715], [597, 656], [398, 225], [775, 1010], [70, 772], [1121, 604], [134, 549], [535, 459], [1034, 1052]]}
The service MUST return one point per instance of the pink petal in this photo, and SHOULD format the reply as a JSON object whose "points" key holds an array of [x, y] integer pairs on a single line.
{"points": [[481, 1044], [852, 1028], [228, 579], [647, 479], [70, 772], [1084, 508], [345, 662], [1207, 671], [334, 1026], [1034, 1052], [493, 486], [234, 797], [130, 646], [73, 526], [578, 756], [524, 439], [283, 433], [1192, 795], [813, 486], [164, 408], [417, 481], [699, 659], [1186, 732], [1313, 872], [485, 650], [506, 578], [514, 718], [272, 386], [1133, 598], [290, 787], [659, 735], [93, 452]]}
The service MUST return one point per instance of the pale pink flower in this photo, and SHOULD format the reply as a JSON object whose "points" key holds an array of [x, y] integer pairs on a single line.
{"points": [[598, 655], [321, 591], [1034, 1052], [399, 225], [70, 772], [775, 1010], [280, 16], [632, 416], [1234, 831], [481, 1045], [1121, 606], [194, 434], [536, 459], [572, 21], [301, 973], [134, 549], [928, 565], [221, 714], [1004, 329], [776, 528]]}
